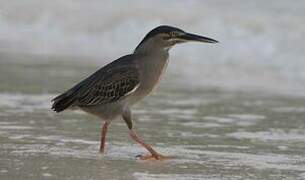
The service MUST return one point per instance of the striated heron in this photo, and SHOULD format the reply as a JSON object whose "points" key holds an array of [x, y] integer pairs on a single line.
{"points": [[113, 89]]}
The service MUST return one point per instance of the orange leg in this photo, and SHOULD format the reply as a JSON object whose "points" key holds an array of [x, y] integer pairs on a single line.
{"points": [[154, 154], [103, 136]]}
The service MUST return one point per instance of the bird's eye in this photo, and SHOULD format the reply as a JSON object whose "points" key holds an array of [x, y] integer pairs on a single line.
{"points": [[174, 34]]}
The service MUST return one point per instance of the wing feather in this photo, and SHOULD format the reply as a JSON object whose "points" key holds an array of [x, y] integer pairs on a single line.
{"points": [[110, 83], [118, 84]]}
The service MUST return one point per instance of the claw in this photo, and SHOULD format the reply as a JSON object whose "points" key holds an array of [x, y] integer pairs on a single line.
{"points": [[154, 157]]}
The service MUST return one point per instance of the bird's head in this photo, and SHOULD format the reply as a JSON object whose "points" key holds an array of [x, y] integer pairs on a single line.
{"points": [[165, 37]]}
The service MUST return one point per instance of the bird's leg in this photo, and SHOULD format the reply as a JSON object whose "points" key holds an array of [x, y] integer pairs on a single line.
{"points": [[103, 136], [154, 154]]}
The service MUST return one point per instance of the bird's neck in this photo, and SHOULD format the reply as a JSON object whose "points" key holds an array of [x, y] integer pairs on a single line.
{"points": [[152, 52], [151, 47]]}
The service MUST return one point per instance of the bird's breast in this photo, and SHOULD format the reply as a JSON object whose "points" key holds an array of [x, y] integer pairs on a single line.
{"points": [[151, 73]]}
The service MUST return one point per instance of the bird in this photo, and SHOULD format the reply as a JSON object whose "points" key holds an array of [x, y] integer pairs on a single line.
{"points": [[112, 90]]}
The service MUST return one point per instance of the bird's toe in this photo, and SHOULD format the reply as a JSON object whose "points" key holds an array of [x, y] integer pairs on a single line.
{"points": [[154, 157]]}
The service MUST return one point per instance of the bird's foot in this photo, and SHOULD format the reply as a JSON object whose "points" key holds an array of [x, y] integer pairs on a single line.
{"points": [[154, 157]]}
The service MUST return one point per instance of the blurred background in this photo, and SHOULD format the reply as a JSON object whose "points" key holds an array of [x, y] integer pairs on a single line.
{"points": [[232, 110], [261, 44]]}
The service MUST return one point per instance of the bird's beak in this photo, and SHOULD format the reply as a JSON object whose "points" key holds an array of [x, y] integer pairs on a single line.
{"points": [[194, 37]]}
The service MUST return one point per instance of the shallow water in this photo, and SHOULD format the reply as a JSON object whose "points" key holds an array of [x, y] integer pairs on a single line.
{"points": [[234, 110], [261, 42], [213, 133]]}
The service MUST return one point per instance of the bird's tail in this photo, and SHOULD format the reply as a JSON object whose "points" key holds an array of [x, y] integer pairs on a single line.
{"points": [[63, 101]]}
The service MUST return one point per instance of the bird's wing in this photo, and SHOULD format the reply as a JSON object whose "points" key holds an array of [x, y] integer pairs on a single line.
{"points": [[115, 84], [110, 83]]}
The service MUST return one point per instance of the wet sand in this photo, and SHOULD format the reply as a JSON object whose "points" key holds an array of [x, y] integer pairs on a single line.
{"points": [[214, 133]]}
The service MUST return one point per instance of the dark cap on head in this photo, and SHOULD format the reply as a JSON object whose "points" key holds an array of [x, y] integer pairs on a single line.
{"points": [[161, 29]]}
